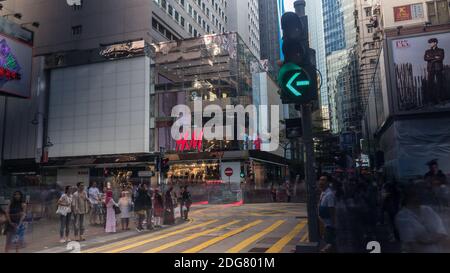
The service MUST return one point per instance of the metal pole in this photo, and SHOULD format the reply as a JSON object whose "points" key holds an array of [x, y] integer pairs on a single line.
{"points": [[313, 219]]}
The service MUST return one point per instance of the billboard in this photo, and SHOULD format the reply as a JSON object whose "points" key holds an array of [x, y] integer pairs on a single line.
{"points": [[408, 12], [15, 67], [420, 72]]}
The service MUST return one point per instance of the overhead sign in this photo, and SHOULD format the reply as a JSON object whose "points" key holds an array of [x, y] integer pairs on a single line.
{"points": [[296, 84], [15, 67], [408, 12]]}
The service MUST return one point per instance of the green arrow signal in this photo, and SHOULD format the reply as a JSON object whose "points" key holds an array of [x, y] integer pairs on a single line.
{"points": [[292, 88], [298, 83]]}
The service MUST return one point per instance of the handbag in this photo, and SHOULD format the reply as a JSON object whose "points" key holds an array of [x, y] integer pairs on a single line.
{"points": [[117, 209], [63, 210]]}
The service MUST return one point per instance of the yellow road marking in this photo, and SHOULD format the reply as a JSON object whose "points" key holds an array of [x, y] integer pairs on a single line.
{"points": [[124, 242], [193, 236], [134, 239], [143, 242], [305, 237], [255, 237], [221, 238], [278, 246]]}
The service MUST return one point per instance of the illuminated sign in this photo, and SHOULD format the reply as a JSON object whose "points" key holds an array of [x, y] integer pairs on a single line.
{"points": [[15, 67], [196, 142], [9, 66]]}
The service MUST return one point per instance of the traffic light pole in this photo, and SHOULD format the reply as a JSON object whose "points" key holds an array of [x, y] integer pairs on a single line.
{"points": [[310, 179]]}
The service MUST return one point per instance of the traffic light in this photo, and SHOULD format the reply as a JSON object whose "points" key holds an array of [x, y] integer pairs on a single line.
{"points": [[297, 77], [165, 165]]}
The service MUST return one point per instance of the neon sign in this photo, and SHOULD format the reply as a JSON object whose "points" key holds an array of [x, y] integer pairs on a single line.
{"points": [[196, 142], [9, 67]]}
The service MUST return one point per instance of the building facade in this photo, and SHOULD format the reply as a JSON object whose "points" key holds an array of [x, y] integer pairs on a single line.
{"points": [[269, 30], [243, 18], [340, 31], [409, 105], [314, 11]]}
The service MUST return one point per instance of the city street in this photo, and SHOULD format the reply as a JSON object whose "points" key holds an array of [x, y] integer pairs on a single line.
{"points": [[253, 228]]}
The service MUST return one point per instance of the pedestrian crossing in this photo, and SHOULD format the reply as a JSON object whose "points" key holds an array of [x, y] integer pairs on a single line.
{"points": [[217, 236]]}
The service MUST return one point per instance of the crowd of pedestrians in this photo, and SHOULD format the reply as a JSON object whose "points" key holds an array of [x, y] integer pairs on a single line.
{"points": [[356, 210], [76, 205]]}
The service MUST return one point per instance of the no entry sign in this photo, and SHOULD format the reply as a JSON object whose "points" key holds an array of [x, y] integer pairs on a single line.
{"points": [[228, 172]]}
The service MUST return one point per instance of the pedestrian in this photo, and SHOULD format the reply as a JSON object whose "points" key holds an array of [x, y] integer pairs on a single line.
{"points": [[142, 203], [15, 216], [149, 208], [187, 200], [421, 229], [180, 200], [288, 192], [273, 192], [327, 214], [390, 204], [169, 213], [110, 212], [80, 208], [125, 205], [65, 214], [434, 173], [159, 208], [94, 199]]}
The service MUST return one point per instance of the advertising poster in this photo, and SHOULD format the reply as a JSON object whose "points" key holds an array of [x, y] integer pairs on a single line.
{"points": [[15, 67], [421, 72]]}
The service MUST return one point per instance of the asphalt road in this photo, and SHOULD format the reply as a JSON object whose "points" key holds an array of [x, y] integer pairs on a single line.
{"points": [[255, 228]]}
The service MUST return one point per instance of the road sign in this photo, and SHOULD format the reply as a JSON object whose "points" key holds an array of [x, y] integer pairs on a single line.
{"points": [[228, 172], [296, 84]]}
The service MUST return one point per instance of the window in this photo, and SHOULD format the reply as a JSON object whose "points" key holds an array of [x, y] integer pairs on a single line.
{"points": [[177, 16], [207, 28], [195, 33], [207, 12], [368, 11], [182, 21], [195, 15], [190, 29], [203, 7], [369, 29], [164, 4], [182, 3], [190, 9], [199, 2], [76, 30], [170, 10], [438, 12]]}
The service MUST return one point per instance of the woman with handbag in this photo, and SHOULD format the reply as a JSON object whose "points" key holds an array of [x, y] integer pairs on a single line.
{"points": [[65, 212], [112, 208]]}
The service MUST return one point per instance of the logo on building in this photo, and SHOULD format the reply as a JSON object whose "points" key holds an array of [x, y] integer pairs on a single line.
{"points": [[9, 67], [186, 144]]}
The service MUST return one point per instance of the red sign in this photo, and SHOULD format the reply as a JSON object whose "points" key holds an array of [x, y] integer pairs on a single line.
{"points": [[183, 144], [228, 172], [402, 13]]}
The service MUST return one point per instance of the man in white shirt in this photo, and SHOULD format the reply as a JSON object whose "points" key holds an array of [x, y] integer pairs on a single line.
{"points": [[94, 199], [327, 213]]}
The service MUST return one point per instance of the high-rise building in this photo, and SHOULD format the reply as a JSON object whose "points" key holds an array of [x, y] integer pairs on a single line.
{"points": [[64, 27], [269, 27], [340, 31], [314, 11], [243, 18]]}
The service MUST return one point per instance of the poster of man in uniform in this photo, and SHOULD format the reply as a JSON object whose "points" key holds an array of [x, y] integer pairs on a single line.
{"points": [[422, 72]]}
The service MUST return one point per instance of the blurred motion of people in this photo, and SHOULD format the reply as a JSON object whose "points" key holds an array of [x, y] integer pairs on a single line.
{"points": [[169, 214], [327, 214], [94, 198], [110, 212], [420, 228], [158, 208], [125, 205]]}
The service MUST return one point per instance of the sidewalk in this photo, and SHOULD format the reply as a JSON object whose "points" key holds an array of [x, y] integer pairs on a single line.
{"points": [[43, 236]]}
